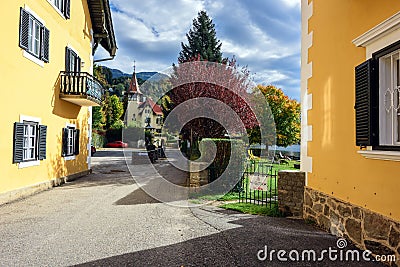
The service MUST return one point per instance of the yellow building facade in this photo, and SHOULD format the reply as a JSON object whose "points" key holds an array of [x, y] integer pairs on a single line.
{"points": [[46, 63], [350, 88]]}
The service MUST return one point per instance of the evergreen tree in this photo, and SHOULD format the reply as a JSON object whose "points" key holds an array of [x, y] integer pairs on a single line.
{"points": [[202, 41]]}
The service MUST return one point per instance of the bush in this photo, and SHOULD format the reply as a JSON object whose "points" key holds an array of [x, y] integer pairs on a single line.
{"points": [[119, 124], [224, 155], [98, 140]]}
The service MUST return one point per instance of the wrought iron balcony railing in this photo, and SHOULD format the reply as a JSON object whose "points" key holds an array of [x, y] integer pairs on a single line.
{"points": [[80, 88]]}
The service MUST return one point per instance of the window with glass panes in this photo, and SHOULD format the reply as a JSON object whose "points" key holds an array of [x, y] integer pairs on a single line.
{"points": [[59, 4], [71, 141], [377, 95], [389, 92], [29, 141], [34, 36]]}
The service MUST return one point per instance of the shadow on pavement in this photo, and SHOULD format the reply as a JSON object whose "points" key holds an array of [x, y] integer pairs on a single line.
{"points": [[239, 247], [109, 153], [104, 174], [137, 197], [171, 173]]}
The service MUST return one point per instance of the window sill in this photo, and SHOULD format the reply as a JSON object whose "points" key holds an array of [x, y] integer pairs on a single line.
{"points": [[380, 154], [33, 58], [27, 164], [70, 157], [56, 9]]}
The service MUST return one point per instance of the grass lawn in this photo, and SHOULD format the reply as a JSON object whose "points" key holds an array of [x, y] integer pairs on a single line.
{"points": [[253, 208], [227, 197], [264, 167]]}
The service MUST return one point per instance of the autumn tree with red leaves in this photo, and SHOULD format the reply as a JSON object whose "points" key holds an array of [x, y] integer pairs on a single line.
{"points": [[225, 83], [203, 73]]}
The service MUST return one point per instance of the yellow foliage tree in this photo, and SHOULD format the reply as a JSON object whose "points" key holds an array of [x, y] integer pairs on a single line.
{"points": [[286, 113]]}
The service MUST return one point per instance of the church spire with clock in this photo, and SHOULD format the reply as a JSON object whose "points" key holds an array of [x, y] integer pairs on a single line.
{"points": [[134, 93]]}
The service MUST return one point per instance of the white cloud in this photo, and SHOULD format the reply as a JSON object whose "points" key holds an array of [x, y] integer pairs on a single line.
{"points": [[264, 35], [292, 3]]}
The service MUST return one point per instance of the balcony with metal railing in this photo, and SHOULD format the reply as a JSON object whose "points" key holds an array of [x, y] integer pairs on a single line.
{"points": [[80, 88]]}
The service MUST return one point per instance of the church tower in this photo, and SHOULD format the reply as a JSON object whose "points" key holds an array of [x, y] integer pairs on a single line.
{"points": [[135, 98], [133, 92], [141, 110]]}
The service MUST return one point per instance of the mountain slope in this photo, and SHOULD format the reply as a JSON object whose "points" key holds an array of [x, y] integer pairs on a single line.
{"points": [[116, 73]]}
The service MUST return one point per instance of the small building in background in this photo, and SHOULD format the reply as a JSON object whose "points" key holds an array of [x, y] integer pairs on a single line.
{"points": [[140, 108]]}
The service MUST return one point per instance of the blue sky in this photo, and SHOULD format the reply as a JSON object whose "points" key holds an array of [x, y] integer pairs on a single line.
{"points": [[264, 35]]}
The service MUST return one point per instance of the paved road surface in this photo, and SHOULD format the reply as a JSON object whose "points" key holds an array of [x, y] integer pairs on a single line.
{"points": [[104, 219]]}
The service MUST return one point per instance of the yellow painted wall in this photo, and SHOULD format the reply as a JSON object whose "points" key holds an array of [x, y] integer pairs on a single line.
{"points": [[31, 90], [337, 169]]}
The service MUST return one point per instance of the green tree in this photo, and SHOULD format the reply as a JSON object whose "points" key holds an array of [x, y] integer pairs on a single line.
{"points": [[98, 118], [118, 89], [286, 113], [100, 75], [202, 41], [107, 74], [113, 110]]}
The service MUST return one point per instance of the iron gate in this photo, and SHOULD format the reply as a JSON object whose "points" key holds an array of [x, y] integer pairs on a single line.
{"points": [[259, 184]]}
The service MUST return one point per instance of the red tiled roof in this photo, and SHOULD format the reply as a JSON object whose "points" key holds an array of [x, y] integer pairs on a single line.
{"points": [[156, 108], [134, 86]]}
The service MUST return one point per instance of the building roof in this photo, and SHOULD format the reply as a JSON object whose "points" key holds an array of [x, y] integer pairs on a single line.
{"points": [[156, 108], [134, 86], [103, 30]]}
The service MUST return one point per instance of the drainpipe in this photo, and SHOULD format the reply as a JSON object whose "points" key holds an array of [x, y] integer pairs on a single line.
{"points": [[104, 59]]}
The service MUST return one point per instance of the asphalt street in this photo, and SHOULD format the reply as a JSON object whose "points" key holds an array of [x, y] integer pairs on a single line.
{"points": [[105, 219]]}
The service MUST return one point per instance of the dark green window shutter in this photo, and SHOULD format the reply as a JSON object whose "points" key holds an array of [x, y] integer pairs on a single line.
{"points": [[76, 150], [45, 44], [78, 64], [67, 59], [42, 142], [18, 150], [64, 147], [67, 9], [366, 103], [23, 29]]}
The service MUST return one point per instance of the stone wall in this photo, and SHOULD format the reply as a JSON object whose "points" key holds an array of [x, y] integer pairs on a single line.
{"points": [[291, 192], [198, 174], [367, 229]]}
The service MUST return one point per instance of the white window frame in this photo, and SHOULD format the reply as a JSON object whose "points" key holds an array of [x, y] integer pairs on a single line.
{"points": [[29, 55], [57, 8], [74, 59], [389, 104], [70, 141], [71, 128], [32, 161], [34, 36], [30, 141]]}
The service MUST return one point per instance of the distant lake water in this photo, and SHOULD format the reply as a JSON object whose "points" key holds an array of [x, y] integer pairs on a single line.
{"points": [[292, 148]]}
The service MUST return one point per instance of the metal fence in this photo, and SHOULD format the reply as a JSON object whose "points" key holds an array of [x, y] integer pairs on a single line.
{"points": [[259, 184], [81, 83]]}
